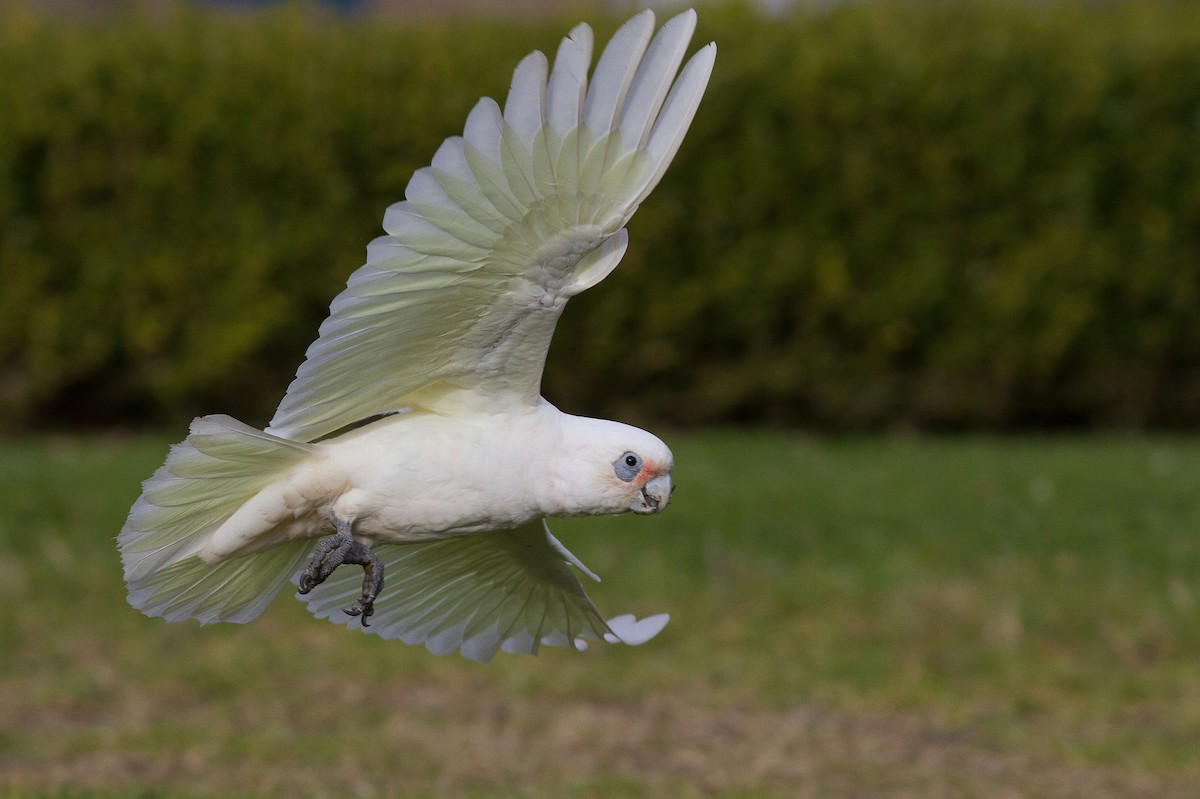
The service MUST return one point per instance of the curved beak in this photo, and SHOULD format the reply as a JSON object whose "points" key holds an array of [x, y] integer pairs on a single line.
{"points": [[654, 496]]}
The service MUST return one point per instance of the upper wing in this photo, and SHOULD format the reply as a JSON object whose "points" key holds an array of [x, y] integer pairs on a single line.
{"points": [[457, 303], [508, 589]]}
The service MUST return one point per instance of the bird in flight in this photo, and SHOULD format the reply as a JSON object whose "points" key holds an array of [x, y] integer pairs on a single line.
{"points": [[413, 441]]}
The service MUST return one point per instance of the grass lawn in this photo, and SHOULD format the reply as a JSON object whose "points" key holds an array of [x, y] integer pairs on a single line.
{"points": [[905, 617]]}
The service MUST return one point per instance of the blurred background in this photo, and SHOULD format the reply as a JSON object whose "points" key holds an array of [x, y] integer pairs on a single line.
{"points": [[947, 215], [917, 304]]}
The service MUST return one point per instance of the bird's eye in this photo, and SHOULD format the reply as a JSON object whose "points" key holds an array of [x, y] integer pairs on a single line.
{"points": [[627, 466]]}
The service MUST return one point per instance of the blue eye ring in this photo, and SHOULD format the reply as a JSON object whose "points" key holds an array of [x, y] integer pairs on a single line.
{"points": [[627, 467]]}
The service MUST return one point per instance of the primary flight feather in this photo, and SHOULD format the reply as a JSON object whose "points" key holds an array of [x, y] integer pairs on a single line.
{"points": [[443, 335]]}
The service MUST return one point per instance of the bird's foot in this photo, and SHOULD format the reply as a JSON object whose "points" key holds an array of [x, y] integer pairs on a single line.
{"points": [[372, 582], [341, 548], [329, 554]]}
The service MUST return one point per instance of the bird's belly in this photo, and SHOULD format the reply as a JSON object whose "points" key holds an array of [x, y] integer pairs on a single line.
{"points": [[412, 523], [423, 477]]}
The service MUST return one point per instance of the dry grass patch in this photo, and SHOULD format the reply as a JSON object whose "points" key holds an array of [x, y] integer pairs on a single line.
{"points": [[464, 737]]}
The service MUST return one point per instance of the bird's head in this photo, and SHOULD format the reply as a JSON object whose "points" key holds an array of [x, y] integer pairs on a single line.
{"points": [[609, 467], [644, 479]]}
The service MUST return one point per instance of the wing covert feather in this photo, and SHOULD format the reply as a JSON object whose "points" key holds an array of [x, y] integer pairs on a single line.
{"points": [[456, 304]]}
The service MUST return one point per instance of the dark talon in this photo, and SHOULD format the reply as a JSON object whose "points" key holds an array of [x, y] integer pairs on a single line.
{"points": [[341, 548], [361, 608], [372, 583]]}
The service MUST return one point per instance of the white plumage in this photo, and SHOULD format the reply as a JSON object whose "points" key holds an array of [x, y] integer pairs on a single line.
{"points": [[443, 333]]}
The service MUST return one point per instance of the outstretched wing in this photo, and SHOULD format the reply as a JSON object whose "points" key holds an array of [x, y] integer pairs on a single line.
{"points": [[457, 303], [508, 590]]}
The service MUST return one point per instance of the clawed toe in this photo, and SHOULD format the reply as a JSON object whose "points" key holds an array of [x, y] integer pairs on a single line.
{"points": [[328, 555], [363, 608], [344, 548], [372, 581], [307, 582]]}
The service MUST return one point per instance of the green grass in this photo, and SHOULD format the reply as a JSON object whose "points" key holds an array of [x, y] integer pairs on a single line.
{"points": [[877, 616]]}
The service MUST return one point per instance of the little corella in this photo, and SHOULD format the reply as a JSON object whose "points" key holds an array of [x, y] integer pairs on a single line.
{"points": [[413, 441]]}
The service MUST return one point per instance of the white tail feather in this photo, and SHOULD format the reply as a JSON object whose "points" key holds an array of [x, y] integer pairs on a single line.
{"points": [[205, 479]]}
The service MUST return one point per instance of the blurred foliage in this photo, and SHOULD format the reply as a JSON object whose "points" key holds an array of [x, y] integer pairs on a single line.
{"points": [[886, 214]]}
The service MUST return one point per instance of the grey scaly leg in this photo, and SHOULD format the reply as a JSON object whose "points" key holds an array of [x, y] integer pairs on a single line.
{"points": [[339, 548]]}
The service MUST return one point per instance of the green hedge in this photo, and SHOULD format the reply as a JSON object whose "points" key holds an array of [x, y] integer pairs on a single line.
{"points": [[936, 215]]}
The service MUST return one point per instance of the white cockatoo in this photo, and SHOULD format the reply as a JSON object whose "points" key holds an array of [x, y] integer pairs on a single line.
{"points": [[414, 441]]}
